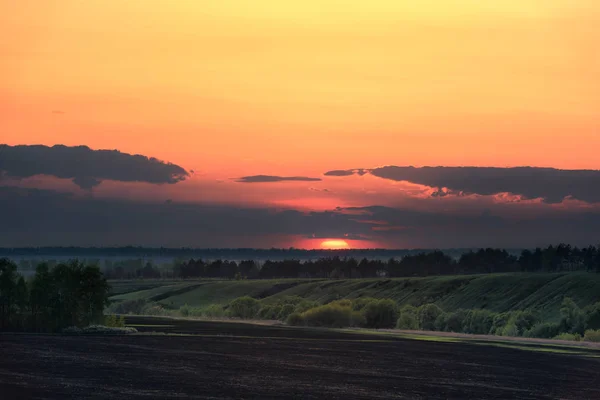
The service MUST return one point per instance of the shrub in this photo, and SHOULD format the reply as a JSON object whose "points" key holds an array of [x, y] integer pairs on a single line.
{"points": [[184, 310], [453, 322], [380, 313], [358, 319], [569, 336], [269, 312], [426, 315], [592, 335], [408, 318], [187, 311], [572, 317], [244, 307], [362, 302], [285, 312], [305, 305], [342, 302], [110, 320], [499, 322], [441, 322], [543, 330], [510, 330], [523, 321], [478, 322], [295, 319], [333, 315], [592, 316], [114, 321], [213, 311]]}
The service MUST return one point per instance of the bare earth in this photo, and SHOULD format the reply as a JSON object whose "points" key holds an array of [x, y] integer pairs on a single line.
{"points": [[217, 360]]}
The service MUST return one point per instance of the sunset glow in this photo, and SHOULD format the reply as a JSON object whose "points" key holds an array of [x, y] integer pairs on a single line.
{"points": [[258, 101], [333, 244]]}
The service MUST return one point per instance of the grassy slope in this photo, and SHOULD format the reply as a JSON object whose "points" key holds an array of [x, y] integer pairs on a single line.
{"points": [[498, 292]]}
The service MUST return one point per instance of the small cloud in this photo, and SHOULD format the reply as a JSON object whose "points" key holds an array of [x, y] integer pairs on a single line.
{"points": [[273, 178], [58, 112], [387, 228], [347, 172]]}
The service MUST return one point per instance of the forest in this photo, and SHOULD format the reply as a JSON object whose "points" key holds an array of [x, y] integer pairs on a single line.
{"points": [[66, 295], [558, 258]]}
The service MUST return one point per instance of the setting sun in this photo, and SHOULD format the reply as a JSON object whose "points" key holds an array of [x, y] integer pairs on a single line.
{"points": [[334, 244]]}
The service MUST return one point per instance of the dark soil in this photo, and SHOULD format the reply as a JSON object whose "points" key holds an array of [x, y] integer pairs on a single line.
{"points": [[223, 360]]}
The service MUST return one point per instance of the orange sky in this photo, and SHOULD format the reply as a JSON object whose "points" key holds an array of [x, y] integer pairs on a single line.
{"points": [[300, 88], [230, 88]]}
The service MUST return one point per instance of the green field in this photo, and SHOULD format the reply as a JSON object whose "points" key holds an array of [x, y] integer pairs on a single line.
{"points": [[497, 292]]}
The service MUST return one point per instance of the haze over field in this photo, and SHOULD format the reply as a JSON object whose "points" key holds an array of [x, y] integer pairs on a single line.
{"points": [[310, 124]]}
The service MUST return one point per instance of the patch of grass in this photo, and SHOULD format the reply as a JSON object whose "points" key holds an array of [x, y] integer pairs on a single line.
{"points": [[98, 330], [149, 326]]}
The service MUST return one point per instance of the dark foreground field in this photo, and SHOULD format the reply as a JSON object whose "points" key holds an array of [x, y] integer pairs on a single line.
{"points": [[211, 360]]}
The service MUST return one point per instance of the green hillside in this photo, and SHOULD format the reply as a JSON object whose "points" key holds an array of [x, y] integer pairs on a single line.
{"points": [[498, 292]]}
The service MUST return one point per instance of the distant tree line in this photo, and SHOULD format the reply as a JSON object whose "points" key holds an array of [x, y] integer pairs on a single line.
{"points": [[207, 253], [561, 258], [66, 295]]}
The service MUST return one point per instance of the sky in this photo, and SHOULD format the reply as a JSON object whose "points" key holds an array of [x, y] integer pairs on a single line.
{"points": [[242, 96]]}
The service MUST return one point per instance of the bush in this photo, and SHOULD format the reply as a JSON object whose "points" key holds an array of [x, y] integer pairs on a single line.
{"points": [[184, 310], [441, 322], [342, 302], [362, 302], [569, 336], [572, 317], [523, 321], [269, 312], [380, 314], [114, 321], [295, 319], [408, 318], [187, 311], [510, 330], [285, 312], [592, 316], [213, 311], [333, 315], [452, 322], [426, 315], [478, 322], [592, 335], [243, 307], [305, 305], [499, 322], [544, 330]]}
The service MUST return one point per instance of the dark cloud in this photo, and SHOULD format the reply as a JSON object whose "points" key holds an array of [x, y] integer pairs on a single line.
{"points": [[550, 184], [33, 217], [86, 167], [272, 178], [347, 172], [44, 217]]}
